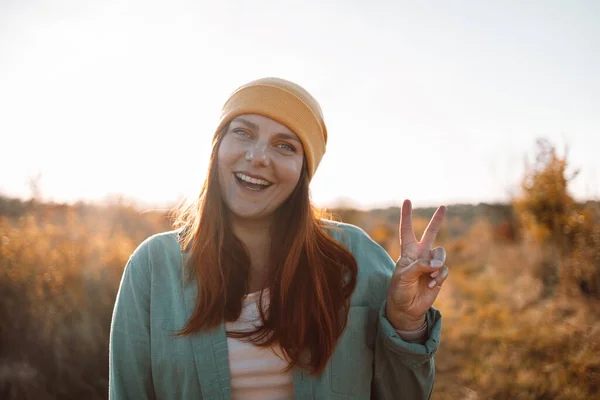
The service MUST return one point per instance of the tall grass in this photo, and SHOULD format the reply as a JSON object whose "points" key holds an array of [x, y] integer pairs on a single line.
{"points": [[59, 273], [521, 307]]}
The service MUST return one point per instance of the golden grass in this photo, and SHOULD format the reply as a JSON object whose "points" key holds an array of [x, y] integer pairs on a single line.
{"points": [[503, 340], [503, 337]]}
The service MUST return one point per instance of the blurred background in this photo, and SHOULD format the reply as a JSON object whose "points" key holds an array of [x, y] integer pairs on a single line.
{"points": [[107, 111]]}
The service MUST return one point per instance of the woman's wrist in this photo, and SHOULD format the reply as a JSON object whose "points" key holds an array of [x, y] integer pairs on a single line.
{"points": [[402, 321], [409, 330], [414, 336], [403, 324]]}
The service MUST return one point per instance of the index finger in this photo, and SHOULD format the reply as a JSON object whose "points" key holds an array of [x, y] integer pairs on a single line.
{"points": [[407, 233], [434, 227]]}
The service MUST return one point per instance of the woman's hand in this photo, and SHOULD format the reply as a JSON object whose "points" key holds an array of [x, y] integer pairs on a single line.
{"points": [[419, 273]]}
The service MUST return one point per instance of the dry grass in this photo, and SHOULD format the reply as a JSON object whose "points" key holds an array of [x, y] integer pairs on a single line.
{"points": [[503, 338], [60, 269]]}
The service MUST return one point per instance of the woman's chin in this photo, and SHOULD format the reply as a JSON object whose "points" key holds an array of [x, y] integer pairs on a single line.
{"points": [[250, 213]]}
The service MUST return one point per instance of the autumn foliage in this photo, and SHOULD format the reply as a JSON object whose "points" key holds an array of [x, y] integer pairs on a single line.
{"points": [[520, 309], [568, 233]]}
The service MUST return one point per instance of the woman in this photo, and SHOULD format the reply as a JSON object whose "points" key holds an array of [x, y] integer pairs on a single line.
{"points": [[256, 297]]}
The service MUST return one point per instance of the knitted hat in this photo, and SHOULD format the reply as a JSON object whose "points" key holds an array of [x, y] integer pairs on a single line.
{"points": [[287, 103]]}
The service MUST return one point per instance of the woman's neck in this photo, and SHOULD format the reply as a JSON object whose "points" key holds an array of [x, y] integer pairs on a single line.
{"points": [[255, 235]]}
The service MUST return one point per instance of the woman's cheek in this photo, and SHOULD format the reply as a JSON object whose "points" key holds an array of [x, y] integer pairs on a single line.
{"points": [[295, 169]]}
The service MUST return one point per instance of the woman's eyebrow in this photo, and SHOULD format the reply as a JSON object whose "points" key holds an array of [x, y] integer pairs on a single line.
{"points": [[289, 137], [249, 124]]}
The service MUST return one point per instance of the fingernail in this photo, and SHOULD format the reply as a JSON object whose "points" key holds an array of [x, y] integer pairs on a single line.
{"points": [[431, 284], [436, 263], [434, 274]]}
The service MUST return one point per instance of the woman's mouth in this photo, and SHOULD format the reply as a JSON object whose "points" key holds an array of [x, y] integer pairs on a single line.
{"points": [[250, 183]]}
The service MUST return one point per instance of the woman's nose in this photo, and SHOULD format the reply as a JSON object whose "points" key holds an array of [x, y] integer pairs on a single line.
{"points": [[258, 155]]}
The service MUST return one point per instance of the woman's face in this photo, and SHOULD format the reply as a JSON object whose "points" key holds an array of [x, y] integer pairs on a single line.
{"points": [[259, 164]]}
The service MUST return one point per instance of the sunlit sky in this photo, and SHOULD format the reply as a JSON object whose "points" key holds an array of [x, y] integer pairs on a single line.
{"points": [[436, 103]]}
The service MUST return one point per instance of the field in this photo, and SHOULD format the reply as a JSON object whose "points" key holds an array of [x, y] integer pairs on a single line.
{"points": [[521, 308], [508, 334]]}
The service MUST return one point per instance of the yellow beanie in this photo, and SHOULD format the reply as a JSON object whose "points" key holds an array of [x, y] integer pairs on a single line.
{"points": [[287, 103]]}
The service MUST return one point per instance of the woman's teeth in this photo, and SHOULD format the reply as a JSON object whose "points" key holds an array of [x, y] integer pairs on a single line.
{"points": [[255, 181]]}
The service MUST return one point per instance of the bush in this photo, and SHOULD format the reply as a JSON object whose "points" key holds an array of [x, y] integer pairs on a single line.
{"points": [[566, 231], [60, 269]]}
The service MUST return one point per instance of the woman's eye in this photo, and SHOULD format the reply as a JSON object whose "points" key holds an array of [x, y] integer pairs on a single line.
{"points": [[241, 133], [286, 147]]}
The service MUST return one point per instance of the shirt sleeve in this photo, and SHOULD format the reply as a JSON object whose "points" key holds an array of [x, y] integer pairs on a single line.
{"points": [[405, 370], [402, 370], [130, 374]]}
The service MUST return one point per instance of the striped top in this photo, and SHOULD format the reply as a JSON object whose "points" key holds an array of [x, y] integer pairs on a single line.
{"points": [[256, 372]]}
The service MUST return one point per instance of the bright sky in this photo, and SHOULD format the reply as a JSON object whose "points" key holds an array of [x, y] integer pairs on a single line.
{"points": [[439, 104]]}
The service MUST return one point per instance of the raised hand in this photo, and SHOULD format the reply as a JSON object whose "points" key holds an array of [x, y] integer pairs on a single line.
{"points": [[419, 274]]}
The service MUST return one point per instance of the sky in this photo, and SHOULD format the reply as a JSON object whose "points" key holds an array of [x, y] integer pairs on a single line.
{"points": [[440, 103]]}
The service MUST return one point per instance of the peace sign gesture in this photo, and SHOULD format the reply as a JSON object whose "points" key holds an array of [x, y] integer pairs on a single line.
{"points": [[419, 273]]}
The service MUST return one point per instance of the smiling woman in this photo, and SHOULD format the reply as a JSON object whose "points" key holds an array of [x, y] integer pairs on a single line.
{"points": [[254, 296], [260, 161]]}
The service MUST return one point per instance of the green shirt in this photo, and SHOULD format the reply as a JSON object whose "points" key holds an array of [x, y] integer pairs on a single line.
{"points": [[153, 302]]}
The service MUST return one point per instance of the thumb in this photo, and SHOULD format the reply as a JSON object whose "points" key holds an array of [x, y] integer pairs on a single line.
{"points": [[439, 253], [421, 266]]}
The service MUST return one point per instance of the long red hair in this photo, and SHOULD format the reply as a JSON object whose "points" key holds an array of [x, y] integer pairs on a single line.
{"points": [[310, 277]]}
